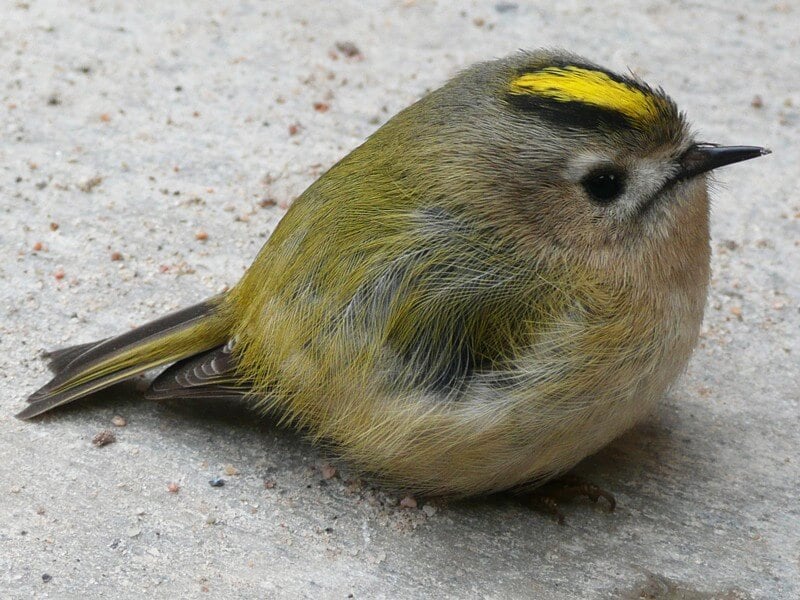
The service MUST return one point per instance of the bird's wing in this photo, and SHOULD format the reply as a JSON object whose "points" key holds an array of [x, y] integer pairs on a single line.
{"points": [[208, 375]]}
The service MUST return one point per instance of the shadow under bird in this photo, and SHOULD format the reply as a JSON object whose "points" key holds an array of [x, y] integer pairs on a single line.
{"points": [[498, 282]]}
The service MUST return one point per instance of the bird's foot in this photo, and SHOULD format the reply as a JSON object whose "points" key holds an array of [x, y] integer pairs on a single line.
{"points": [[547, 497]]}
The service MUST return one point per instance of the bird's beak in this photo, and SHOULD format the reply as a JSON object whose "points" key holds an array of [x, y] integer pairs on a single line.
{"points": [[702, 158]]}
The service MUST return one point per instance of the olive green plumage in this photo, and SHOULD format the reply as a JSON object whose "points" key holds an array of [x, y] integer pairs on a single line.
{"points": [[499, 281]]}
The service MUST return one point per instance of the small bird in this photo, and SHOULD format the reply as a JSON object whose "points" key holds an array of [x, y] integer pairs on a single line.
{"points": [[498, 282]]}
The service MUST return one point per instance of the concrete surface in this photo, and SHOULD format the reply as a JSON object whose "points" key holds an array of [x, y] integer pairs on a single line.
{"points": [[152, 132]]}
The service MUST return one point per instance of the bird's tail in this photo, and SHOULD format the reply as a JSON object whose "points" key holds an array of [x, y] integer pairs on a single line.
{"points": [[86, 368]]}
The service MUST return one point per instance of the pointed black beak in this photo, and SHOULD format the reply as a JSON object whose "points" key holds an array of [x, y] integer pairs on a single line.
{"points": [[702, 158]]}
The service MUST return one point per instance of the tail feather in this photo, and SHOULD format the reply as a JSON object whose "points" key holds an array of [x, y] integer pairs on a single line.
{"points": [[81, 370], [61, 357]]}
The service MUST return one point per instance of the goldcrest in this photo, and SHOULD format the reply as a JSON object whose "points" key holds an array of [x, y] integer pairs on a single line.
{"points": [[497, 283]]}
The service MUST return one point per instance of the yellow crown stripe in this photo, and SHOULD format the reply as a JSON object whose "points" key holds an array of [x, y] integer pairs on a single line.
{"points": [[576, 84]]}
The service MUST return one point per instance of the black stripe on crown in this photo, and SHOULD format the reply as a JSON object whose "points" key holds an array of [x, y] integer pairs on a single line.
{"points": [[573, 114]]}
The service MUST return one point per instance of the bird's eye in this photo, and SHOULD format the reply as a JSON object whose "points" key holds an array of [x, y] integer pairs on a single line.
{"points": [[605, 185]]}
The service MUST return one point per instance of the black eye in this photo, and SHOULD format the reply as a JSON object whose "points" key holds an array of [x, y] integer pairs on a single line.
{"points": [[604, 186]]}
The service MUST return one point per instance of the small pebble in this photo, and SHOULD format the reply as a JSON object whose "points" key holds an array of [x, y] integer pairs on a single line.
{"points": [[504, 7], [408, 502], [118, 421], [328, 471], [104, 438], [731, 244], [47, 578], [87, 185], [173, 488], [349, 49], [216, 482], [231, 470]]}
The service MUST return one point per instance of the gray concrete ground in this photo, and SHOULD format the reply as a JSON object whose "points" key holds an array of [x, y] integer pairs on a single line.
{"points": [[141, 148]]}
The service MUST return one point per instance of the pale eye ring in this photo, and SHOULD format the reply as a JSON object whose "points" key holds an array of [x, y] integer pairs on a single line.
{"points": [[604, 185]]}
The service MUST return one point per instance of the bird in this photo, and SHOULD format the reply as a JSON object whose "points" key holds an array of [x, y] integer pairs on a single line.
{"points": [[502, 279]]}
